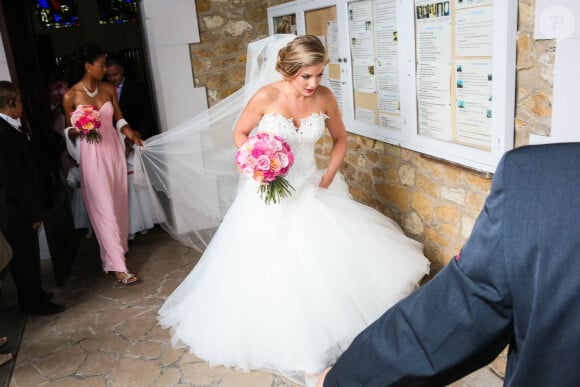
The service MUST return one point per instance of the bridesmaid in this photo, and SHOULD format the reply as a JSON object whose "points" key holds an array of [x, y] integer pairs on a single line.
{"points": [[103, 169]]}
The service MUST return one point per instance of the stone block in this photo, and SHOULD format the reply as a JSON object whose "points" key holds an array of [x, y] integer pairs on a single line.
{"points": [[423, 204], [425, 185], [396, 195], [447, 214]]}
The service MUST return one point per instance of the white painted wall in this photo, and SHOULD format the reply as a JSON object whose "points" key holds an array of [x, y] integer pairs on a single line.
{"points": [[4, 73], [170, 26]]}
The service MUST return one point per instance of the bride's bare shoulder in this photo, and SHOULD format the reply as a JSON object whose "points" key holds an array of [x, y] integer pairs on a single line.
{"points": [[269, 92]]}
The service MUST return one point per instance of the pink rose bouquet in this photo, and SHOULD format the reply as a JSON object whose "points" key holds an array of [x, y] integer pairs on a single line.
{"points": [[266, 158], [86, 118]]}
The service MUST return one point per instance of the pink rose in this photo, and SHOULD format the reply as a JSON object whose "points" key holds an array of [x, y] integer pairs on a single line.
{"points": [[263, 163]]}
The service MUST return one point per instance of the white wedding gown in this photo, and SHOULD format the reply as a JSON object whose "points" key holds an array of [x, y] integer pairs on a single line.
{"points": [[286, 287]]}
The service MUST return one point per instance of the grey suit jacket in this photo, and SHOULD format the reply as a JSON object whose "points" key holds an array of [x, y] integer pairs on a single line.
{"points": [[516, 281]]}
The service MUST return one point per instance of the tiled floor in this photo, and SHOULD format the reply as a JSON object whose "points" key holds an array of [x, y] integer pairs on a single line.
{"points": [[108, 334]]}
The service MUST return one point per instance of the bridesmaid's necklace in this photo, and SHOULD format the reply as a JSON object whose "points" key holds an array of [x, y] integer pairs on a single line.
{"points": [[91, 94]]}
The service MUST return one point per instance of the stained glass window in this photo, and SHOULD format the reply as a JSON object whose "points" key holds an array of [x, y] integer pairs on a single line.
{"points": [[117, 11], [57, 13]]}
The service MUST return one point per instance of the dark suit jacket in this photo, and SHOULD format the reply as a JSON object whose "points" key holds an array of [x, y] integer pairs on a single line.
{"points": [[21, 202], [516, 281], [136, 107]]}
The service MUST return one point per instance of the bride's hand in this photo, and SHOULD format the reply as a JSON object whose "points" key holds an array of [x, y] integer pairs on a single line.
{"points": [[325, 182]]}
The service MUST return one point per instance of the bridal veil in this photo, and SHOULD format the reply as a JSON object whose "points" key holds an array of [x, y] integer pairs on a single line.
{"points": [[193, 163]]}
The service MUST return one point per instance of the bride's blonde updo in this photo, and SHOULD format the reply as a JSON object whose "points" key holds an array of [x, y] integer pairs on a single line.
{"points": [[303, 51]]}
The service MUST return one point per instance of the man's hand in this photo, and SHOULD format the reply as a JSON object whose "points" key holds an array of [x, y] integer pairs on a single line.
{"points": [[321, 377]]}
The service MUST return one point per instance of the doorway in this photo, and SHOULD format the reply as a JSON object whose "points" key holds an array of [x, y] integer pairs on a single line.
{"points": [[36, 55]]}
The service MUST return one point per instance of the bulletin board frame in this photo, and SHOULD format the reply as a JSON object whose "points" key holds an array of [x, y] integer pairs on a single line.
{"points": [[484, 153]]}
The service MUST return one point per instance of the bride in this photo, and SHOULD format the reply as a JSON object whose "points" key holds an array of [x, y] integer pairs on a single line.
{"points": [[285, 287]]}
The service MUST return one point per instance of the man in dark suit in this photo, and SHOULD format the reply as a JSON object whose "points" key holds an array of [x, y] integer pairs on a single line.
{"points": [[133, 99], [21, 204], [516, 281]]}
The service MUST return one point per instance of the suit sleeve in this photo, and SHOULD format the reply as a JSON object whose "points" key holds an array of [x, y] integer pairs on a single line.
{"points": [[453, 325]]}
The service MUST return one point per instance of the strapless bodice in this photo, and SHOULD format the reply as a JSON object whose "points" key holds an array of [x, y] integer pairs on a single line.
{"points": [[302, 140], [106, 111]]}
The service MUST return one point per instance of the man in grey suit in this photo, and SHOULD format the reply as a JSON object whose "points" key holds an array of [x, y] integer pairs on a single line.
{"points": [[516, 281]]}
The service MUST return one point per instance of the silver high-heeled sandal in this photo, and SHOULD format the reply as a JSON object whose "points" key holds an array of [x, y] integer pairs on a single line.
{"points": [[126, 278]]}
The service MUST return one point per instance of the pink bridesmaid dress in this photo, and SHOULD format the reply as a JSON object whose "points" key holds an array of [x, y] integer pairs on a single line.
{"points": [[103, 172]]}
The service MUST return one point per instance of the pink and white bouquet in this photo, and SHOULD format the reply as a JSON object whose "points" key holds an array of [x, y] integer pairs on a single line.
{"points": [[87, 119], [266, 158]]}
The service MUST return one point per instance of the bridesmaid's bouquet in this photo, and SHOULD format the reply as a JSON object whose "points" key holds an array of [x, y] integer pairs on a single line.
{"points": [[266, 158], [86, 118]]}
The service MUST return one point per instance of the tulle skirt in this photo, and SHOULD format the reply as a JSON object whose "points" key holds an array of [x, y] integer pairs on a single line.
{"points": [[79, 211], [145, 210], [286, 287]]}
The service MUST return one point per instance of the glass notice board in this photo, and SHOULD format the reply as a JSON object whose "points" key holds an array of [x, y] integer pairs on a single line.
{"points": [[418, 73]]}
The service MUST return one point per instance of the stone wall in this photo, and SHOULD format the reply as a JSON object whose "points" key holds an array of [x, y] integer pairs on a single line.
{"points": [[535, 76], [226, 27], [434, 201]]}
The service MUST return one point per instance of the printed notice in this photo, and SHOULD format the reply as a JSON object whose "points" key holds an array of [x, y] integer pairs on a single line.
{"points": [[455, 77], [365, 115], [360, 16], [332, 41], [390, 121], [364, 76], [474, 98], [474, 32], [433, 46], [336, 87], [387, 62], [462, 4], [362, 46]]}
